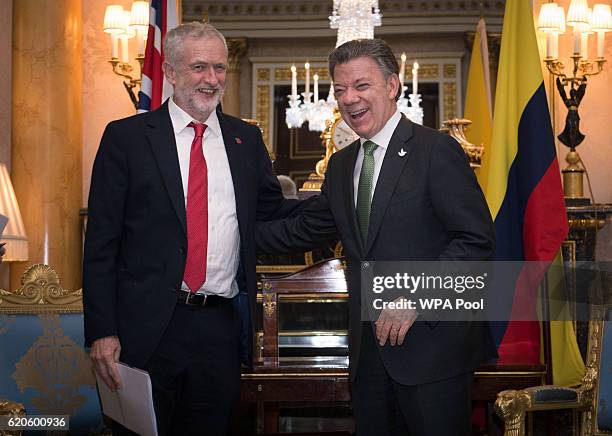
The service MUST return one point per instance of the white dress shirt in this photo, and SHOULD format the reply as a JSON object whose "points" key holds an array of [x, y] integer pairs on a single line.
{"points": [[381, 139], [223, 235]]}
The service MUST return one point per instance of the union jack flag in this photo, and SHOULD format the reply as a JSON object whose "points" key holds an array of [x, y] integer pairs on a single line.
{"points": [[154, 89]]}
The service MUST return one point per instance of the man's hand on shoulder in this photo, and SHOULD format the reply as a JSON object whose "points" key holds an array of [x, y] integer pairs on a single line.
{"points": [[105, 355], [394, 324]]}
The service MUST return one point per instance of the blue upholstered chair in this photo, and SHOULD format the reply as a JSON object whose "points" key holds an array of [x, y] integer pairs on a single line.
{"points": [[593, 398], [42, 361]]}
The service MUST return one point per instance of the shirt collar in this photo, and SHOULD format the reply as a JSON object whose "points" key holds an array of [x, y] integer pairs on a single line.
{"points": [[383, 137], [181, 119]]}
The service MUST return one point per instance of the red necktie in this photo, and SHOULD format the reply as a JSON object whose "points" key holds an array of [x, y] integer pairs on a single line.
{"points": [[197, 213]]}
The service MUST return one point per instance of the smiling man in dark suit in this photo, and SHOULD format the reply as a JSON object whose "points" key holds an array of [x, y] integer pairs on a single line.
{"points": [[401, 192], [170, 252]]}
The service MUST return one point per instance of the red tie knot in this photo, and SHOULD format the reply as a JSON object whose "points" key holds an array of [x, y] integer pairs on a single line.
{"points": [[199, 128]]}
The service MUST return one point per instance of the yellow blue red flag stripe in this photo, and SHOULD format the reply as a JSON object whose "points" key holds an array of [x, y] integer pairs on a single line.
{"points": [[523, 189]]}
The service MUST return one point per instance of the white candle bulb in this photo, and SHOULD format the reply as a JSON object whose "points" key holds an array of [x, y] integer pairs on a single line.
{"points": [[576, 40], [140, 39], [402, 73], [415, 75], [584, 45], [125, 56], [315, 78], [115, 45], [549, 43], [293, 82], [307, 87], [600, 44]]}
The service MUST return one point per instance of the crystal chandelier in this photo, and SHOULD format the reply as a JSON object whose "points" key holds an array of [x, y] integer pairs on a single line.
{"points": [[354, 19]]}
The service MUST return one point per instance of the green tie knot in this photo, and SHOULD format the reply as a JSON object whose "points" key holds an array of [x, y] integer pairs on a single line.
{"points": [[369, 147]]}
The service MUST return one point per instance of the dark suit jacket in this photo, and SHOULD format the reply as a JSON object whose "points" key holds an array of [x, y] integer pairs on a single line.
{"points": [[427, 206], [136, 242]]}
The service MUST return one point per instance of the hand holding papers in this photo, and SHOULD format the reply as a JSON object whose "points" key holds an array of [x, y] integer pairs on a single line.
{"points": [[132, 404]]}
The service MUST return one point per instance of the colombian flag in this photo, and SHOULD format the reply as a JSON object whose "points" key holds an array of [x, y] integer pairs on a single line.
{"points": [[523, 182]]}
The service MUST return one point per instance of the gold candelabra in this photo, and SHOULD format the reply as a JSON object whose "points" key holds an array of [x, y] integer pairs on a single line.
{"points": [[125, 70], [584, 21], [123, 25]]}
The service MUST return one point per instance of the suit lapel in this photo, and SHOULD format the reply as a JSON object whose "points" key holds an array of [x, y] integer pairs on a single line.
{"points": [[163, 144], [349, 190], [396, 157], [235, 157]]}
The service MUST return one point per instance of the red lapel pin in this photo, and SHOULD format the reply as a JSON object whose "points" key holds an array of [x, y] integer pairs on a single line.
{"points": [[238, 140]]}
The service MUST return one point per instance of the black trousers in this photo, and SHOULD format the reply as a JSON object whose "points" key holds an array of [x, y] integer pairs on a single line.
{"points": [[383, 407], [195, 372]]}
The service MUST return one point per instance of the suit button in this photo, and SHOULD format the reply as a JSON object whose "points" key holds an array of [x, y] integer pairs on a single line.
{"points": [[181, 251]]}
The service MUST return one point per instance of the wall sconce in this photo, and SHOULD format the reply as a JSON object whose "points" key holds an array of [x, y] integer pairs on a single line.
{"points": [[122, 26], [14, 233], [584, 22]]}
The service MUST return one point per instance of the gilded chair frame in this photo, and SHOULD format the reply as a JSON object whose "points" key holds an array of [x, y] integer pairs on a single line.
{"points": [[512, 405]]}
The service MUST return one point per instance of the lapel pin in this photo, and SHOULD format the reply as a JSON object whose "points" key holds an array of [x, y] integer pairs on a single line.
{"points": [[238, 140], [401, 153]]}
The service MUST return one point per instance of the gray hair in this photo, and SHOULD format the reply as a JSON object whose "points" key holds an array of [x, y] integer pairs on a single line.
{"points": [[375, 49], [195, 30]]}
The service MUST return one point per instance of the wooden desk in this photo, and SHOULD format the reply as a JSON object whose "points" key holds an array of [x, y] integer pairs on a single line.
{"points": [[275, 379]]}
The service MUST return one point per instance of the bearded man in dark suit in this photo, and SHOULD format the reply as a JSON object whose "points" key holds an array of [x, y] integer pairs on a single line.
{"points": [[169, 266], [401, 192]]}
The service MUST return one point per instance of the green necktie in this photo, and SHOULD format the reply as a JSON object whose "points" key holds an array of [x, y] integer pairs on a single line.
{"points": [[364, 191]]}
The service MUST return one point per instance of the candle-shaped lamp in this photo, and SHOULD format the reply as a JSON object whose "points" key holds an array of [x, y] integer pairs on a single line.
{"points": [[578, 16], [547, 23], [560, 22], [601, 22], [402, 72], [139, 21], [113, 20], [128, 33], [415, 75], [307, 85], [315, 78], [293, 82]]}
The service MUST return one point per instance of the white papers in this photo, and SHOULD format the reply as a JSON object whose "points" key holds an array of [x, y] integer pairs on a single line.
{"points": [[132, 404]]}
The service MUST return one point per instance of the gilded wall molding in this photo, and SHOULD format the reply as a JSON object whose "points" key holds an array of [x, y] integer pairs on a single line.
{"points": [[278, 9], [450, 71], [262, 114], [263, 74], [41, 292], [284, 74], [426, 71], [449, 98], [236, 49], [443, 70]]}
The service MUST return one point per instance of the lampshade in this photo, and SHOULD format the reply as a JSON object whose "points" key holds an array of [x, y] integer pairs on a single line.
{"points": [[113, 19], [560, 20], [586, 28], [601, 19], [578, 13], [14, 233], [139, 16], [547, 20], [128, 31]]}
